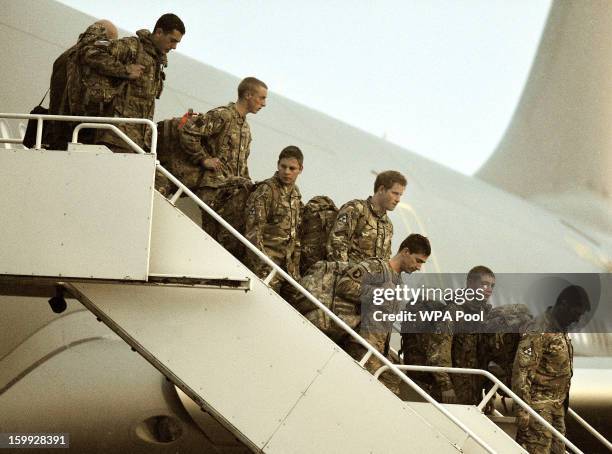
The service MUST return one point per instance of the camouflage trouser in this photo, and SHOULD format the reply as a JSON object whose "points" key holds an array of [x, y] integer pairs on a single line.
{"points": [[164, 185], [216, 230], [538, 440], [209, 225], [278, 283], [465, 354], [357, 351], [413, 355]]}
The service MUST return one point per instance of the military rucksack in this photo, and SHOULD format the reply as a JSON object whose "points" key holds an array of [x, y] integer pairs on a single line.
{"points": [[229, 203], [321, 281], [89, 92], [317, 220]]}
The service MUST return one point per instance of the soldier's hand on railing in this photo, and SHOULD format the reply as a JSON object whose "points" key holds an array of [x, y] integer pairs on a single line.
{"points": [[212, 163], [134, 71], [449, 396]]}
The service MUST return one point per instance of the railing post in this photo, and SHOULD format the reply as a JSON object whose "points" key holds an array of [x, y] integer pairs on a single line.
{"points": [[270, 277], [488, 396], [176, 196], [365, 358], [39, 131]]}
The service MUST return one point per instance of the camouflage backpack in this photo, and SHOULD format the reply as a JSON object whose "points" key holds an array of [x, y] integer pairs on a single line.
{"points": [[88, 91], [317, 220], [229, 203], [321, 281]]}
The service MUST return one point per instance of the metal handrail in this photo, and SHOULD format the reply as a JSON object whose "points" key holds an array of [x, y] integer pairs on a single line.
{"points": [[498, 383], [75, 118], [590, 429], [133, 145], [275, 268]]}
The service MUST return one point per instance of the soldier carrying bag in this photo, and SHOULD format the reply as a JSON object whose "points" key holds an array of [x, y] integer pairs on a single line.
{"points": [[321, 281]]}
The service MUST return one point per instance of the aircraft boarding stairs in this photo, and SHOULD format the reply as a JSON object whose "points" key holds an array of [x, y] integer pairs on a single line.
{"points": [[88, 224]]}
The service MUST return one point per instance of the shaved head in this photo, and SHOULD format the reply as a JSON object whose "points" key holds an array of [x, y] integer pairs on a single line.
{"points": [[111, 30]]}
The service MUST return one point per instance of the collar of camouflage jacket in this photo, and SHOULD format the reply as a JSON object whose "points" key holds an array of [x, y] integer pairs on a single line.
{"points": [[232, 107], [374, 212], [285, 188], [149, 46]]}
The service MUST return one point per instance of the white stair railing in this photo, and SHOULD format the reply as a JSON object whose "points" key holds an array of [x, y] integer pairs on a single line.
{"points": [[498, 384]]}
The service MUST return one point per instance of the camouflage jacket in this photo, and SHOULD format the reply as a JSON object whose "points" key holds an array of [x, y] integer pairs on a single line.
{"points": [[137, 98], [273, 213], [499, 341], [543, 364], [430, 344], [356, 286], [227, 136], [180, 148], [359, 233], [88, 91], [350, 285]]}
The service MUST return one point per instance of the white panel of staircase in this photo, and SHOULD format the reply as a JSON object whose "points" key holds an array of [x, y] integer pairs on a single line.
{"points": [[261, 367], [80, 214], [475, 420], [347, 410], [179, 247]]}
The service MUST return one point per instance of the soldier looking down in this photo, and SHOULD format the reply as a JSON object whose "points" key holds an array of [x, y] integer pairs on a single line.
{"points": [[379, 273], [226, 138], [362, 228], [273, 217], [465, 344], [543, 370], [139, 62]]}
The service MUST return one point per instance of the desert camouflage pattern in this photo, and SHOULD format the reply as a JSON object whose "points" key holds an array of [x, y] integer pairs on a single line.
{"points": [[91, 90], [321, 281], [226, 136], [68, 94], [499, 342], [465, 354], [137, 98], [431, 346], [359, 233], [355, 286], [179, 148], [317, 220], [273, 213], [541, 377]]}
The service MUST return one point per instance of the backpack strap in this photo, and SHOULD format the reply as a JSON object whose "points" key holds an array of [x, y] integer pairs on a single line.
{"points": [[43, 98]]}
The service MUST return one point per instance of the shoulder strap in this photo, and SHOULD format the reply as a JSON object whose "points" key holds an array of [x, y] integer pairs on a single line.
{"points": [[43, 98]]}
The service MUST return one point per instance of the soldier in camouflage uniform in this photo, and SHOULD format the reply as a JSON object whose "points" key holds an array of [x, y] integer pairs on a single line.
{"points": [[465, 344], [273, 218], [430, 346], [356, 286], [226, 138], [498, 343], [139, 61], [543, 370], [362, 228], [180, 151], [65, 78]]}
